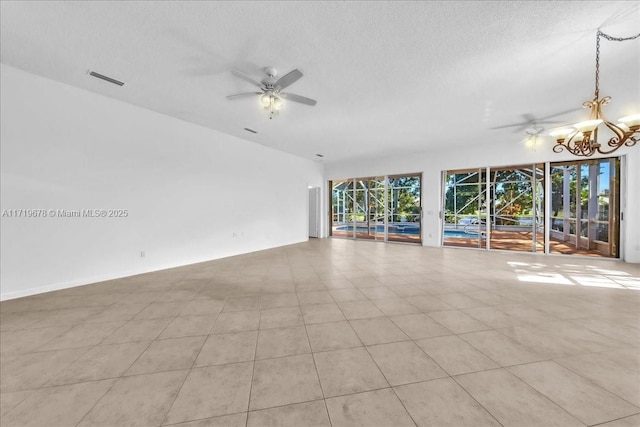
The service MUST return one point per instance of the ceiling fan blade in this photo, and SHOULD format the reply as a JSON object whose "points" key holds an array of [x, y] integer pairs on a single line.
{"points": [[247, 78], [512, 125], [288, 79], [537, 129], [243, 95], [530, 119], [559, 114], [298, 98], [522, 127], [548, 121]]}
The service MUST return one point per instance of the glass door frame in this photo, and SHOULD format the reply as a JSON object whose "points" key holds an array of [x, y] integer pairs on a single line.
{"points": [[353, 187], [479, 199], [589, 223], [610, 188], [531, 187], [417, 217]]}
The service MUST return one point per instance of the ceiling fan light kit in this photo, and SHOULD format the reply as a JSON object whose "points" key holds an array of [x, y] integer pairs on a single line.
{"points": [[582, 138], [271, 97]]}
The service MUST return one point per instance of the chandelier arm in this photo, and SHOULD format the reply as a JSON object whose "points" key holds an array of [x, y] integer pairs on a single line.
{"points": [[559, 147], [617, 143], [618, 132], [581, 147], [622, 138], [587, 148]]}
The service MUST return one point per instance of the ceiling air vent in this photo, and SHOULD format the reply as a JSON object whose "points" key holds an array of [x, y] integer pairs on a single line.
{"points": [[250, 130], [105, 78]]}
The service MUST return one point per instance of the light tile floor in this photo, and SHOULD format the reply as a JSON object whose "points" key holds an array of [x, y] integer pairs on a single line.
{"points": [[333, 333]]}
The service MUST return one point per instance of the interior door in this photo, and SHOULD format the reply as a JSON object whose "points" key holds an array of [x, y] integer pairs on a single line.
{"points": [[314, 212]]}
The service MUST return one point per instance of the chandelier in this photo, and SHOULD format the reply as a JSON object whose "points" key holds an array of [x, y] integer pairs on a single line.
{"points": [[582, 138]]}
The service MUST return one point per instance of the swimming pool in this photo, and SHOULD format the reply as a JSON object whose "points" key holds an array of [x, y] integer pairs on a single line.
{"points": [[394, 229], [407, 229], [459, 234]]}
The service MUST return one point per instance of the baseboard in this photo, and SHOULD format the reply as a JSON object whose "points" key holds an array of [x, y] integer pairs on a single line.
{"points": [[6, 296]]}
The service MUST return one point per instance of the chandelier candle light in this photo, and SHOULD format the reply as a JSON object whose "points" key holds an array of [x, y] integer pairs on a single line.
{"points": [[582, 138]]}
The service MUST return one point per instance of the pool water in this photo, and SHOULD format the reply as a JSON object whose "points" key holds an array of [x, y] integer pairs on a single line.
{"points": [[459, 234], [407, 229], [394, 229]]}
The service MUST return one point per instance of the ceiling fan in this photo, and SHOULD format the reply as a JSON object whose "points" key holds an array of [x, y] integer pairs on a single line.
{"points": [[534, 130], [270, 94], [531, 123], [535, 135]]}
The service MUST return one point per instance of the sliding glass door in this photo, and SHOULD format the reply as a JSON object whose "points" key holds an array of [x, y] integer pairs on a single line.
{"points": [[517, 208], [404, 208], [342, 208], [464, 208], [369, 208], [377, 208], [585, 207], [583, 210]]}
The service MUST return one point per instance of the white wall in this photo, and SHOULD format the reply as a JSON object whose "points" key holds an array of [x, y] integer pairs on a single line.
{"points": [[187, 189], [492, 153]]}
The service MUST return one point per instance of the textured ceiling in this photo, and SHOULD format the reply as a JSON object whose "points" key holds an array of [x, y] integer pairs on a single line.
{"points": [[390, 77]]}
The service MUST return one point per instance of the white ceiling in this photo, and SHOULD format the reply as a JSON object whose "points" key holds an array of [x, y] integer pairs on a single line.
{"points": [[390, 77]]}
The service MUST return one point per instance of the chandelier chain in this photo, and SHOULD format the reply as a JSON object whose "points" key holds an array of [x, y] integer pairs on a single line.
{"points": [[610, 38]]}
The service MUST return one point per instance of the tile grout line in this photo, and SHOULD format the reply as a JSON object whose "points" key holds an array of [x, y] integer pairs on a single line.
{"points": [[389, 383], [253, 368], [122, 375], [170, 407], [594, 382], [617, 419], [473, 397], [315, 365]]}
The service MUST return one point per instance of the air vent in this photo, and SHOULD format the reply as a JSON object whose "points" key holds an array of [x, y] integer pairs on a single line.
{"points": [[250, 130], [105, 78], [320, 155]]}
